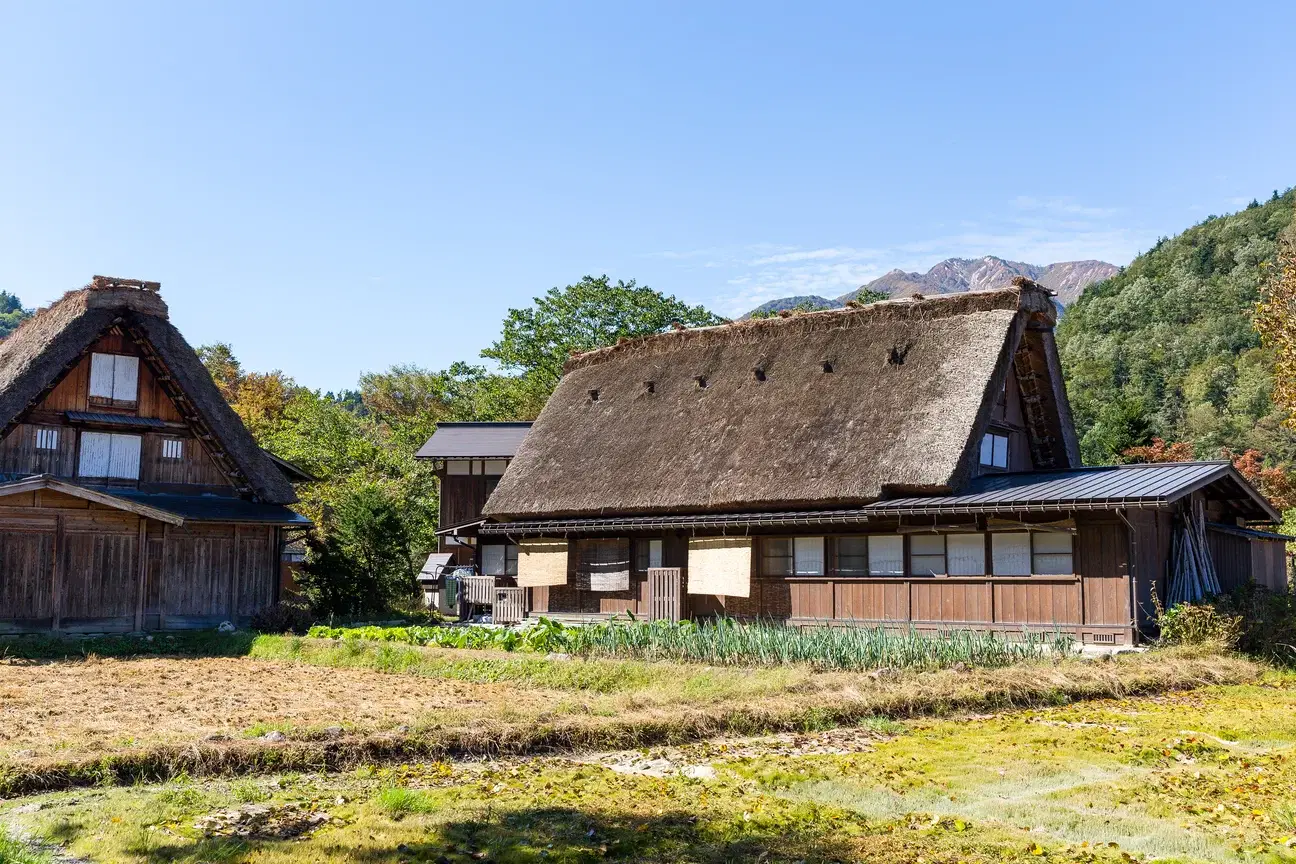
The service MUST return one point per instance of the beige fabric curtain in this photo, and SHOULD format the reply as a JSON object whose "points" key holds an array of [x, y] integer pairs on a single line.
{"points": [[603, 565], [542, 562], [720, 565]]}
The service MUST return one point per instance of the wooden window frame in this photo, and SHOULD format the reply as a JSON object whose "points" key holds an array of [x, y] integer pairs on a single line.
{"points": [[642, 546], [992, 436], [912, 566], [177, 444], [111, 400], [790, 539], [47, 439]]}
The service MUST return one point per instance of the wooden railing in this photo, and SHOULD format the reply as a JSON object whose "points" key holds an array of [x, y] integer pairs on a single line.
{"points": [[509, 606], [479, 589]]}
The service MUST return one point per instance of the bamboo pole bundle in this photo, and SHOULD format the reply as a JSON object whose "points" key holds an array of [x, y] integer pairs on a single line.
{"points": [[1195, 576]]}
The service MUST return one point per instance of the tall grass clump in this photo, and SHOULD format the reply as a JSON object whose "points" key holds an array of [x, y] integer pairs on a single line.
{"points": [[726, 642]]}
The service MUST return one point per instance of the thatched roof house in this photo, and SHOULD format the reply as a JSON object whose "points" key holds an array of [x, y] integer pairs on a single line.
{"points": [[35, 357], [910, 463], [131, 495], [820, 409]]}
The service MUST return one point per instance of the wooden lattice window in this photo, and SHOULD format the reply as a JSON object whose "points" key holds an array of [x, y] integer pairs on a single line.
{"points": [[47, 438]]}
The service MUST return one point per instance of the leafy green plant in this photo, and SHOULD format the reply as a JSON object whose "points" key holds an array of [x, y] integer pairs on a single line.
{"points": [[1200, 624], [724, 641]]}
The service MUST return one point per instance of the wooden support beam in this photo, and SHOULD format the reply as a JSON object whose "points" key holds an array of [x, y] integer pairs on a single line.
{"points": [[142, 586], [58, 574], [235, 566]]}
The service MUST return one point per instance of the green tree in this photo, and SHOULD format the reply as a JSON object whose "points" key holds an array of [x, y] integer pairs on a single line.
{"points": [[12, 313], [363, 565], [592, 313], [1168, 347]]}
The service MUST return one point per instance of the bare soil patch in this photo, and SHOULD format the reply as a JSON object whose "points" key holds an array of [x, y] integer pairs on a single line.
{"points": [[72, 708]]}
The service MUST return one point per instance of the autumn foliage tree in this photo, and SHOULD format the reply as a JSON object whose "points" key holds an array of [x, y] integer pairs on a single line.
{"points": [[1275, 318]]}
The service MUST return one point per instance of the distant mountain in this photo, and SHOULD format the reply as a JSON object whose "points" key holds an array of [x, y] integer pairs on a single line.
{"points": [[809, 301], [955, 275]]}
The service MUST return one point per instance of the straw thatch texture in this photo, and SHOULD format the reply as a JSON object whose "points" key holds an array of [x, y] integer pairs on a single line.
{"points": [[37, 353], [910, 384], [720, 565], [542, 562]]}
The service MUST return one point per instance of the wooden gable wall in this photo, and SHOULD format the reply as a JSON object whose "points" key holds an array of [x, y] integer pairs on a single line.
{"points": [[18, 453]]}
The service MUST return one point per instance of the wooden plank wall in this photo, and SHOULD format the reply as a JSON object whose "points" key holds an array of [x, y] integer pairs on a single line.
{"points": [[463, 496], [1094, 600], [80, 570], [18, 453]]}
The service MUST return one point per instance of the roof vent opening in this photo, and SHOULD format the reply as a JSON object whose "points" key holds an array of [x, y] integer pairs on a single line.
{"points": [[758, 373], [594, 395], [650, 386], [826, 365], [898, 354], [701, 381]]}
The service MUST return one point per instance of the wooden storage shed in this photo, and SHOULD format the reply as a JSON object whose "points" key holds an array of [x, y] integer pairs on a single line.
{"points": [[131, 495]]}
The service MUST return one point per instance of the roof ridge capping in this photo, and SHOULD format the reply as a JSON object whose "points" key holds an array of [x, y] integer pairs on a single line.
{"points": [[110, 292], [1023, 295]]}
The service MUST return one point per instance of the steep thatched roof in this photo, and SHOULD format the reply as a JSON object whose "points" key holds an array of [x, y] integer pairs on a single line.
{"points": [[36, 355], [818, 409]]}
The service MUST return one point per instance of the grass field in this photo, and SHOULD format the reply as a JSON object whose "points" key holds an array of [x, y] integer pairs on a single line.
{"points": [[335, 705], [1204, 775]]}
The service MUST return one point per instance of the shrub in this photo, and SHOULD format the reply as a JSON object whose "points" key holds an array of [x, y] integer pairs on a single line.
{"points": [[1251, 619], [1200, 624], [286, 617]]}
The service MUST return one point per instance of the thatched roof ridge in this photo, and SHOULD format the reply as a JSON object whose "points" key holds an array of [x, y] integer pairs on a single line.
{"points": [[1025, 295], [38, 352], [819, 409]]}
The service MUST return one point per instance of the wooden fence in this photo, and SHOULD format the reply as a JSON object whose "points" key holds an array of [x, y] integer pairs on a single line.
{"points": [[479, 590], [509, 606], [666, 593]]}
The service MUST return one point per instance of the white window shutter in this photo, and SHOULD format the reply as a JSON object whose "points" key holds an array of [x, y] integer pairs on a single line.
{"points": [[654, 553], [886, 555], [101, 375], [808, 556], [95, 450], [125, 378], [966, 554], [1011, 554], [124, 460]]}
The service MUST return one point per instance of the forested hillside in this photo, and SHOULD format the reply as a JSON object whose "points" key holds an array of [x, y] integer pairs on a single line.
{"points": [[1167, 348]]}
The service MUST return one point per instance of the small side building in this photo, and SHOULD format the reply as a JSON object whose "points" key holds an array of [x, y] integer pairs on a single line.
{"points": [[469, 459], [131, 495], [910, 463]]}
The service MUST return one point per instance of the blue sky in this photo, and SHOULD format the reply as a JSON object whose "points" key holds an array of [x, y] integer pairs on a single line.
{"points": [[337, 188]]}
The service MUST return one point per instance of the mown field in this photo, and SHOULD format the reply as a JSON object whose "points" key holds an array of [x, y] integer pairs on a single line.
{"points": [[300, 750]]}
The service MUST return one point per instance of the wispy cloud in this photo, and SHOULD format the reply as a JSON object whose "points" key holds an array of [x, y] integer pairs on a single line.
{"points": [[1034, 229]]}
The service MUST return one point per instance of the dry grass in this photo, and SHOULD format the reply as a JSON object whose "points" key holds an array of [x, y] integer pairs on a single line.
{"points": [[98, 706], [72, 723]]}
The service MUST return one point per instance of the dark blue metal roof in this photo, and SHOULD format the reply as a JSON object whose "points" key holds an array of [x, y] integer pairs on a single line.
{"points": [[474, 441], [115, 419], [213, 508], [1104, 488], [1151, 485]]}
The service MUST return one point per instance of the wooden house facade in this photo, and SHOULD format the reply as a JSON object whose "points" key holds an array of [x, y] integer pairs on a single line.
{"points": [[911, 463], [131, 496]]}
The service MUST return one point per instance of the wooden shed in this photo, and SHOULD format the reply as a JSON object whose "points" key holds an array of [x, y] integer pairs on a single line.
{"points": [[911, 463], [131, 495]]}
